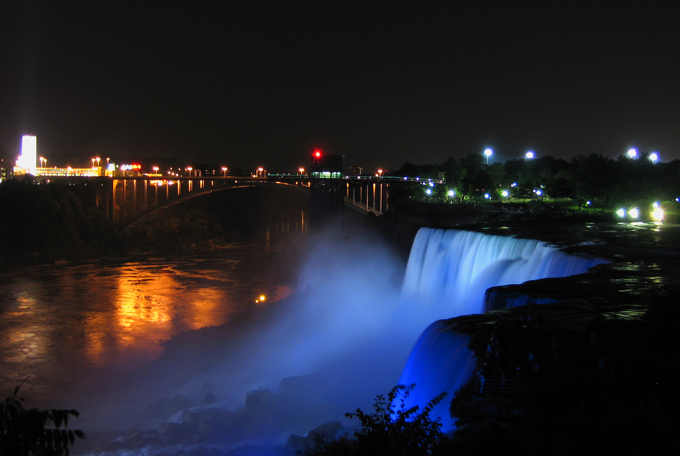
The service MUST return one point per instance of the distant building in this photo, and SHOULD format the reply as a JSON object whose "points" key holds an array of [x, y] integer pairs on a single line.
{"points": [[327, 166], [355, 171], [26, 163], [5, 169]]}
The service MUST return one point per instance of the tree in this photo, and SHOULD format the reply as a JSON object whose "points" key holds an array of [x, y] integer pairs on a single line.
{"points": [[25, 432], [390, 430]]}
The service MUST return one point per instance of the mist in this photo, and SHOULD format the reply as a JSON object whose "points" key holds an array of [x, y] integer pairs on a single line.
{"points": [[343, 337], [338, 341]]}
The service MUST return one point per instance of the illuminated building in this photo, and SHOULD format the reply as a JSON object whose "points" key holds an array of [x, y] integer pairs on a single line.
{"points": [[26, 163], [5, 169], [327, 166]]}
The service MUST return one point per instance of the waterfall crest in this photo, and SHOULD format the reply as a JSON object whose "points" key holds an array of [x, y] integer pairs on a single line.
{"points": [[456, 267], [453, 269]]}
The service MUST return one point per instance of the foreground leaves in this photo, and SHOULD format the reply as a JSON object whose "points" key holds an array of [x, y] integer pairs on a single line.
{"points": [[25, 432]]}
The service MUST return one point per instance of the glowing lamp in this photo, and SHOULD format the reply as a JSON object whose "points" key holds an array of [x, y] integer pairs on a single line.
{"points": [[621, 213], [657, 214], [488, 153], [634, 213]]}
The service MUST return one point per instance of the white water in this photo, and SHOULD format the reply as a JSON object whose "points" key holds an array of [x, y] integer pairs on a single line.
{"points": [[453, 269]]}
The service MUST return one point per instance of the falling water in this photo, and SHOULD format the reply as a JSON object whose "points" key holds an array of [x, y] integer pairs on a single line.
{"points": [[453, 269]]}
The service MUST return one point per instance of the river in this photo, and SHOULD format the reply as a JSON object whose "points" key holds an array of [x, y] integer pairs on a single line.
{"points": [[61, 323]]}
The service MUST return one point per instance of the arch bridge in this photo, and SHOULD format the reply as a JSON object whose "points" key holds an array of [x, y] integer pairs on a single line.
{"points": [[126, 198]]}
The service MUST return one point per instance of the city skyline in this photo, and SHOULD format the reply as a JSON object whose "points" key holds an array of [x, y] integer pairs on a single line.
{"points": [[248, 85]]}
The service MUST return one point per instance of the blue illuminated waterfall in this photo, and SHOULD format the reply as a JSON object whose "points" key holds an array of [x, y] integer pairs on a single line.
{"points": [[451, 270]]}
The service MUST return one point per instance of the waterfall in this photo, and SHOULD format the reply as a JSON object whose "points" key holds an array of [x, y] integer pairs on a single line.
{"points": [[451, 270]]}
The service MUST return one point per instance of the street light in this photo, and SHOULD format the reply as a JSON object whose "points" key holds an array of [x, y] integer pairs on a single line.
{"points": [[529, 155], [632, 152], [224, 170], [653, 157], [42, 162], [380, 172], [488, 153], [301, 170], [98, 160], [93, 162]]}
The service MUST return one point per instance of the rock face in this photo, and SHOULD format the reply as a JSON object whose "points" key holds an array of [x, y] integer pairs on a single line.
{"points": [[586, 359]]}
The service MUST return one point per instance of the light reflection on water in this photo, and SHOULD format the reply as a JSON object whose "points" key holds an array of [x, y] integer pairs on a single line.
{"points": [[58, 322]]}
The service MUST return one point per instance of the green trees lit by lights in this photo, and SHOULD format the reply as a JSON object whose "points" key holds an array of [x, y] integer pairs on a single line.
{"points": [[634, 179]]}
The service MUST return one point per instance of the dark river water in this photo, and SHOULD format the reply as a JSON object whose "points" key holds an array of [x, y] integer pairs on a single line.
{"points": [[58, 324]]}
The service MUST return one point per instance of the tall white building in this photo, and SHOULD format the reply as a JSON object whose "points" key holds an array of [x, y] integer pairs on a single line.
{"points": [[29, 155]]}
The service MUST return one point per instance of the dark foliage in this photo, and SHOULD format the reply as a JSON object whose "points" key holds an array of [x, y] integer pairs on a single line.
{"points": [[584, 178], [391, 429], [25, 432], [48, 222]]}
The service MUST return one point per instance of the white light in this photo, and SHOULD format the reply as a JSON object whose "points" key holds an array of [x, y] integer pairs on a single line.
{"points": [[505, 193], [487, 196], [657, 214], [538, 192], [653, 157], [621, 212], [428, 191], [29, 154], [451, 193], [634, 213], [632, 153], [530, 155], [655, 204]]}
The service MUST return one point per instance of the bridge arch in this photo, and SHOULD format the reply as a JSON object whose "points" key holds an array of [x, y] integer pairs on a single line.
{"points": [[165, 205]]}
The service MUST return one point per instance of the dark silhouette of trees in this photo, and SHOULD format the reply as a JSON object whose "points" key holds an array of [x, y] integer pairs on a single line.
{"points": [[26, 432], [48, 222], [584, 178]]}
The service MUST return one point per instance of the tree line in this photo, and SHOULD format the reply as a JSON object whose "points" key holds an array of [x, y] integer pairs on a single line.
{"points": [[584, 178]]}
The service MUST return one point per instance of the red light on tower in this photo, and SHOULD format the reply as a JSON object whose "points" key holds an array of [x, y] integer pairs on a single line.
{"points": [[317, 153]]}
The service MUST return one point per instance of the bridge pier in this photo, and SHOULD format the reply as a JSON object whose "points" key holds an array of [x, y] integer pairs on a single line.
{"points": [[373, 196], [326, 200]]}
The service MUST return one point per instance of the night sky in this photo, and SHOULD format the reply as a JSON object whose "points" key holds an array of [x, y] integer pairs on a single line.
{"points": [[262, 83]]}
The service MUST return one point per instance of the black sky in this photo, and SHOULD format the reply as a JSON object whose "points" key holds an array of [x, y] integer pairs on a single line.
{"points": [[261, 83]]}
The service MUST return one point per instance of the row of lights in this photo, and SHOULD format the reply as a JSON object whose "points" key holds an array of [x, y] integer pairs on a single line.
{"points": [[656, 213], [632, 153], [489, 152]]}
